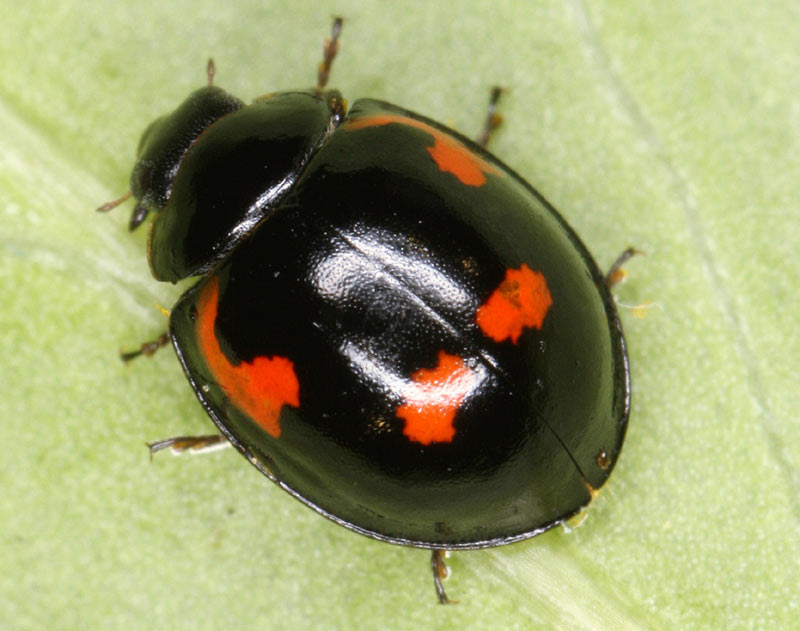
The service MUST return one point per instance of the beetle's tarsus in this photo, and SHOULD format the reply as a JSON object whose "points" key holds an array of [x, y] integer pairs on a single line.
{"points": [[440, 573], [329, 50], [147, 348]]}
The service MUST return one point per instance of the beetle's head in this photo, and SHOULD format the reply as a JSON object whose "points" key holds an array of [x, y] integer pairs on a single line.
{"points": [[164, 144]]}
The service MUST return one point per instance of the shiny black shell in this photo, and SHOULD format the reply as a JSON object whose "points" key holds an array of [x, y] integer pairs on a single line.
{"points": [[392, 325]]}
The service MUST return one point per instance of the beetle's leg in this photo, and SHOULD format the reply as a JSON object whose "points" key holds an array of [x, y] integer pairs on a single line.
{"points": [[211, 70], [190, 444], [615, 273], [329, 50], [146, 349], [493, 119], [440, 573]]}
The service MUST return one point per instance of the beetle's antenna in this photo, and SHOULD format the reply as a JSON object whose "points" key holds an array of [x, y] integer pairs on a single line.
{"points": [[329, 50], [113, 203]]}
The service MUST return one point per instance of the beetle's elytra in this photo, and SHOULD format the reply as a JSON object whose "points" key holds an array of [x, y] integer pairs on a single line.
{"points": [[389, 322]]}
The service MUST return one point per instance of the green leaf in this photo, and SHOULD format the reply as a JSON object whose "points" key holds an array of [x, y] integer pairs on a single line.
{"points": [[674, 127]]}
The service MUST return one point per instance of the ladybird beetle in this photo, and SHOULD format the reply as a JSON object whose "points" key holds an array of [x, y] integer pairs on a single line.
{"points": [[390, 323]]}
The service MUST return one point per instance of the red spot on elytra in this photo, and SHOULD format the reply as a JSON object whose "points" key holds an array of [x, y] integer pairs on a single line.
{"points": [[433, 397], [520, 301], [259, 388], [450, 155]]}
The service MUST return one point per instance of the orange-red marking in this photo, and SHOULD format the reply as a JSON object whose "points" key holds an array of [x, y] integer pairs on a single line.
{"points": [[433, 398], [449, 154], [520, 301], [259, 388]]}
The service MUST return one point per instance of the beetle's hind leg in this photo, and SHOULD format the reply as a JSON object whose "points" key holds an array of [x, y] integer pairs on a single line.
{"points": [[190, 444], [493, 119], [440, 573], [615, 273]]}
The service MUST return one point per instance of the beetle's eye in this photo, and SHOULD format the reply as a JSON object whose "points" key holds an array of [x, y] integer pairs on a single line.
{"points": [[140, 178]]}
